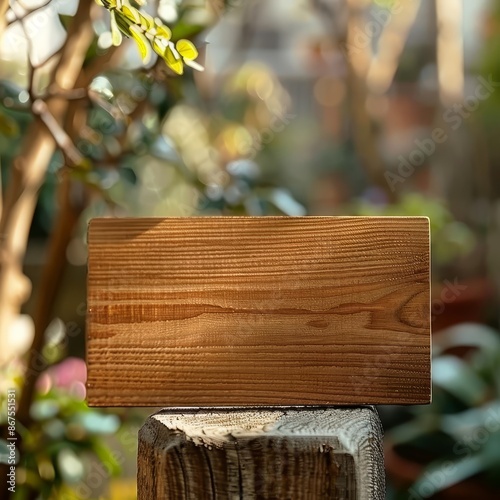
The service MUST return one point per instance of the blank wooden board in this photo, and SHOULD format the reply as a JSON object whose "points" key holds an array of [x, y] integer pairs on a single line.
{"points": [[272, 311]]}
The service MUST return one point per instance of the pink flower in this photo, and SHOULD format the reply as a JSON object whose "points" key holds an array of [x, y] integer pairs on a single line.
{"points": [[69, 374]]}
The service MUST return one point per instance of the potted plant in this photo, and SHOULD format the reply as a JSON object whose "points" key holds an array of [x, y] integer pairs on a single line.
{"points": [[451, 448]]}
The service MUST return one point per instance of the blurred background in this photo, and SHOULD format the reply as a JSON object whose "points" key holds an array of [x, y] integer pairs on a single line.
{"points": [[305, 107]]}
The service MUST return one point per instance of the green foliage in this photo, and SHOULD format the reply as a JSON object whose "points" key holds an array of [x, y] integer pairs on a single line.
{"points": [[460, 430], [450, 239], [150, 35], [65, 434]]}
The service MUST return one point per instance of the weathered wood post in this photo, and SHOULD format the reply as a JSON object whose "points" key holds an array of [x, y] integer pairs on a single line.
{"points": [[267, 338]]}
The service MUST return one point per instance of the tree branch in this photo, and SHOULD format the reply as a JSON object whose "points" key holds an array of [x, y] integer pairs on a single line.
{"points": [[450, 51], [390, 47], [358, 63], [27, 176], [4, 7]]}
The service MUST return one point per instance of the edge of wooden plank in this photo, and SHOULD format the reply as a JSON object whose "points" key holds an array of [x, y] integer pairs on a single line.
{"points": [[111, 220]]}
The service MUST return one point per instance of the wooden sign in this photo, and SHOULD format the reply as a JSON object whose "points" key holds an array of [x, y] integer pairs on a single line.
{"points": [[243, 311]]}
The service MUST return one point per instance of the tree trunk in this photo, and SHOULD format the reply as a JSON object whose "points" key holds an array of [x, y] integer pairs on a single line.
{"points": [[27, 175]]}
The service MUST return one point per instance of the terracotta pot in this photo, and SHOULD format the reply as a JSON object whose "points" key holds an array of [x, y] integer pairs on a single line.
{"points": [[402, 472], [462, 306]]}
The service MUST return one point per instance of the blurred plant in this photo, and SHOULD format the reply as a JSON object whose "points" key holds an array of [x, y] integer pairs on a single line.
{"points": [[86, 134], [64, 432], [459, 433], [214, 149], [450, 239]]}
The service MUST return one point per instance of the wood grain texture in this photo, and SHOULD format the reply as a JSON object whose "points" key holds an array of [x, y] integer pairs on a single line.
{"points": [[333, 453], [244, 311]]}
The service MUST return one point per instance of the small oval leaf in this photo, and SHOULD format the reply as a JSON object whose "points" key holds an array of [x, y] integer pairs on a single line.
{"points": [[173, 60], [186, 49], [131, 13], [116, 35], [142, 43], [162, 30]]}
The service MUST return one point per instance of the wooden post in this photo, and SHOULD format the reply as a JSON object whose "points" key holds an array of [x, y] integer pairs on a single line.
{"points": [[330, 453]]}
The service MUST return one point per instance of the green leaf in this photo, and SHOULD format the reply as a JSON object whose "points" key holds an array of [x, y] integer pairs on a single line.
{"points": [[162, 30], [159, 47], [444, 473], [468, 422], [186, 49], [70, 465], [8, 126], [186, 30], [142, 43], [98, 423], [414, 429], [116, 35], [131, 13], [467, 334], [173, 60], [455, 376], [44, 409], [107, 457], [147, 22]]}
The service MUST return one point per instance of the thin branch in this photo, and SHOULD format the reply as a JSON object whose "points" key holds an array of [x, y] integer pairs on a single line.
{"points": [[63, 140], [63, 227], [113, 111], [68, 94], [358, 63]]}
